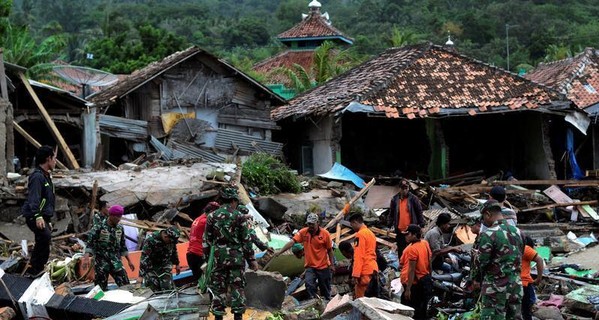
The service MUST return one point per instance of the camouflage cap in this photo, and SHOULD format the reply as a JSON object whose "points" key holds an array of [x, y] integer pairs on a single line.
{"points": [[473, 221], [173, 232], [297, 248], [229, 193], [491, 205], [312, 218]]}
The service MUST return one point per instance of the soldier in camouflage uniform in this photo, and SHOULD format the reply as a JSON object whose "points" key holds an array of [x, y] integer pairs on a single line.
{"points": [[106, 241], [227, 230], [101, 214], [158, 255], [499, 263]]}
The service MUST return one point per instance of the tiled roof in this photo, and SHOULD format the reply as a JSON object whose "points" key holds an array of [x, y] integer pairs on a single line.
{"points": [[577, 77], [142, 76], [419, 81], [284, 59], [314, 25]]}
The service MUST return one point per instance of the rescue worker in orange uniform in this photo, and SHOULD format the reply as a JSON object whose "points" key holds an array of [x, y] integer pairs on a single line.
{"points": [[405, 209], [364, 266], [415, 272]]}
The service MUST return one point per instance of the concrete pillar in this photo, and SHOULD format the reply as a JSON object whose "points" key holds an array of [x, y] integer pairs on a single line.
{"points": [[90, 136]]}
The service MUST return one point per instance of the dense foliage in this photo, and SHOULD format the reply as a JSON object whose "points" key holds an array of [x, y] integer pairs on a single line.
{"points": [[123, 35], [266, 175]]}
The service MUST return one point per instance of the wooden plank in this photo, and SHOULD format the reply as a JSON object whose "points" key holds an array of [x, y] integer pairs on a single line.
{"points": [[3, 86], [33, 141], [92, 204], [386, 243], [554, 205], [382, 232], [547, 182], [338, 234], [351, 236], [343, 232], [343, 212], [50, 123]]}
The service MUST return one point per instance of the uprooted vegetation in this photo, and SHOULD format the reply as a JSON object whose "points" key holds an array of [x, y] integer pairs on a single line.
{"points": [[267, 175]]}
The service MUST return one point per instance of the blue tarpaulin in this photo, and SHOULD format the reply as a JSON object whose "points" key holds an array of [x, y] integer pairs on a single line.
{"points": [[576, 172], [339, 172]]}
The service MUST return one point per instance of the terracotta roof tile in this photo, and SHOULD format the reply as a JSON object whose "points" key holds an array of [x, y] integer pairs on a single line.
{"points": [[285, 59], [420, 77], [314, 25], [577, 77]]}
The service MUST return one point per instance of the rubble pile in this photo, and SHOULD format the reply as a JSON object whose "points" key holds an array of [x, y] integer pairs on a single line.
{"points": [[559, 215]]}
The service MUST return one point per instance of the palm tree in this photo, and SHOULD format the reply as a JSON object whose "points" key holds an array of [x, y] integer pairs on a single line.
{"points": [[555, 52], [328, 62], [400, 38], [21, 48]]}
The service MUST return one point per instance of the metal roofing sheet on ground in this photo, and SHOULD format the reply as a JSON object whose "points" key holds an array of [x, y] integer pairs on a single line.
{"points": [[226, 139], [129, 129], [192, 152]]}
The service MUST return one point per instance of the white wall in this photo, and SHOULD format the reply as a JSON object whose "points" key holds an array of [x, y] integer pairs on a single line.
{"points": [[320, 134]]}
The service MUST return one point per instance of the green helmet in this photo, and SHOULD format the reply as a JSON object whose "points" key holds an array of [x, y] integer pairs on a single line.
{"points": [[229, 193]]}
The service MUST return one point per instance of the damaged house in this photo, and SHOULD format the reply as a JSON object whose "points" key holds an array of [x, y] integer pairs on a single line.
{"points": [[189, 105], [44, 114], [426, 108], [578, 78]]}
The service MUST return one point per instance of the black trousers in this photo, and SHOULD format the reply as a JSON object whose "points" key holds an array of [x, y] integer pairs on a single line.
{"points": [[195, 264], [400, 239], [41, 249], [420, 296]]}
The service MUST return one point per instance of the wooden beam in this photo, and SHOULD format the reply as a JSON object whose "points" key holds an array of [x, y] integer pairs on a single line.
{"points": [[548, 182], [383, 232], [3, 85], [92, 204], [34, 142], [343, 212], [554, 205], [50, 123]]}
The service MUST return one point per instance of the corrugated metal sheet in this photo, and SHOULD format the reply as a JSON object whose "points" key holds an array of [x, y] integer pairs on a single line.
{"points": [[225, 139], [192, 152], [129, 129], [167, 153]]}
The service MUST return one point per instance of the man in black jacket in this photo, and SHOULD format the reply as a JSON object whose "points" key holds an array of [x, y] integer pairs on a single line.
{"points": [[405, 209], [39, 207]]}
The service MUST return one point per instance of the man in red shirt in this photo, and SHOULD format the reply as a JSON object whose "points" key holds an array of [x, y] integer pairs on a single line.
{"points": [[405, 209], [364, 264], [195, 254], [415, 272], [318, 256]]}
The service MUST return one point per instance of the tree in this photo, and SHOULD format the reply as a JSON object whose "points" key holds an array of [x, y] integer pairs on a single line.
{"points": [[328, 62], [400, 38], [22, 49], [557, 52]]}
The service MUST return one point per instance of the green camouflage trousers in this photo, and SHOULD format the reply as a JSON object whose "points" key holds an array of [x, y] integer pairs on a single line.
{"points": [[104, 267], [223, 278], [159, 280], [503, 302]]}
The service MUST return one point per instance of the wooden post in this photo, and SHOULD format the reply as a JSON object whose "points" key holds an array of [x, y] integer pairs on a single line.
{"points": [[53, 129], [3, 86], [33, 141], [341, 213], [92, 204]]}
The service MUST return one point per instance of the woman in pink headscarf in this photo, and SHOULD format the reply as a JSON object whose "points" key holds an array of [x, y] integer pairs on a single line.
{"points": [[195, 254]]}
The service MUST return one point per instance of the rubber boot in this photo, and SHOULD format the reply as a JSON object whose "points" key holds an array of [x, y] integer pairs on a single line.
{"points": [[237, 316]]}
